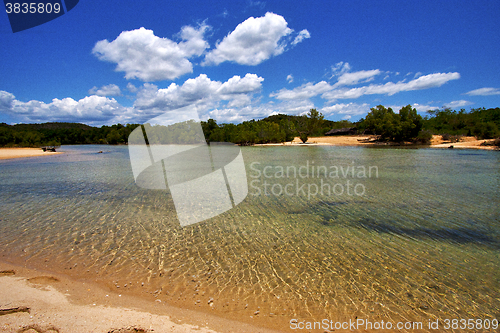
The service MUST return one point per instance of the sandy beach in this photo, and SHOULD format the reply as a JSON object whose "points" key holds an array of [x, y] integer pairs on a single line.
{"points": [[468, 142], [8, 153], [42, 302]]}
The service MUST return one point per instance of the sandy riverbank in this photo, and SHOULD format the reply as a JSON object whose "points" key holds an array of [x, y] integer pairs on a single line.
{"points": [[8, 153], [469, 142], [42, 302]]}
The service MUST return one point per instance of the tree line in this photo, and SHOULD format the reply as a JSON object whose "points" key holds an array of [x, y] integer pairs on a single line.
{"points": [[408, 126], [56, 134], [404, 126]]}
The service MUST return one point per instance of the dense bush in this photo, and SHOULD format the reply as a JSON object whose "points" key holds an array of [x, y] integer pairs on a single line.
{"points": [[482, 123], [424, 137], [390, 126]]}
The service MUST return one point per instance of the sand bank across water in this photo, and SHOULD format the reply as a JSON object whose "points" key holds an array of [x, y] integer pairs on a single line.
{"points": [[369, 140], [8, 153]]}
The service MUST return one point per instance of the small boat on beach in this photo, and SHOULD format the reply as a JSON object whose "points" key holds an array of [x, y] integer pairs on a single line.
{"points": [[49, 148]]}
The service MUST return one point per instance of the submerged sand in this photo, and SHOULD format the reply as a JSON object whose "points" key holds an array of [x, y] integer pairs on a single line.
{"points": [[8, 153], [33, 301]]}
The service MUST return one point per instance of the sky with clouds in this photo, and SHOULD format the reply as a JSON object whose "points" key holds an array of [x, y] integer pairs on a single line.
{"points": [[129, 61]]}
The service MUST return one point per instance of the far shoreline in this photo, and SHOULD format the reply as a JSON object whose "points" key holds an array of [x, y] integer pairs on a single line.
{"points": [[466, 142], [369, 141]]}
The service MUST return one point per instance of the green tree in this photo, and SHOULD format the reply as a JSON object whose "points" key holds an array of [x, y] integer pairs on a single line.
{"points": [[310, 124], [410, 124], [315, 121], [303, 128], [403, 126], [383, 121], [208, 127], [113, 137], [288, 127]]}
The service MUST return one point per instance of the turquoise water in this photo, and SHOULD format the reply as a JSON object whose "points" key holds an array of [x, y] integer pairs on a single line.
{"points": [[419, 240]]}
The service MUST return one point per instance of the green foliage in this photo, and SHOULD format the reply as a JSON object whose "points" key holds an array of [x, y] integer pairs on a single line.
{"points": [[424, 137], [483, 123], [487, 130], [410, 123], [303, 137], [315, 121], [273, 129], [288, 127], [381, 121], [311, 124], [299, 125], [56, 134], [390, 126], [406, 125], [187, 132]]}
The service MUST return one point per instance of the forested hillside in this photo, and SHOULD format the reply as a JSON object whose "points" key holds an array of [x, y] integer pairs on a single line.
{"points": [[55, 134]]}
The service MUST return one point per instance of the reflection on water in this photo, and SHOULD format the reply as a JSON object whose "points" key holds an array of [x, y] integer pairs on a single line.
{"points": [[422, 242]]}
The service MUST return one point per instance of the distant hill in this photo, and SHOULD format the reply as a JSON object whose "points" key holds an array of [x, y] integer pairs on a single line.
{"points": [[62, 133], [51, 126]]}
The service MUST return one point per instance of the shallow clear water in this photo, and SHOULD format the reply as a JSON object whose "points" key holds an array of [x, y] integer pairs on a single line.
{"points": [[418, 240]]}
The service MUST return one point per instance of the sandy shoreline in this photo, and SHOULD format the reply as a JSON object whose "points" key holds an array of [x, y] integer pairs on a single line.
{"points": [[9, 153], [48, 303], [466, 142]]}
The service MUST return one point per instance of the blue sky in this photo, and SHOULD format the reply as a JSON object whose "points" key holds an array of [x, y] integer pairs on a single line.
{"points": [[107, 62]]}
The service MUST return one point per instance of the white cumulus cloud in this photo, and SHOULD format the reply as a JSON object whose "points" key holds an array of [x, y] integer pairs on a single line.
{"points": [[254, 41], [6, 100], [131, 88], [108, 90], [237, 85], [200, 93], [142, 55], [90, 110]]}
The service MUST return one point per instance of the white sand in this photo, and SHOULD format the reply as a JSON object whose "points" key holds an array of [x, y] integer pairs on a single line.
{"points": [[468, 142], [51, 311], [8, 153]]}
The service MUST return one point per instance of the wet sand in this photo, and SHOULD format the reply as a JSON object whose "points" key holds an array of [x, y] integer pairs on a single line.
{"points": [[42, 302], [9, 153]]}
